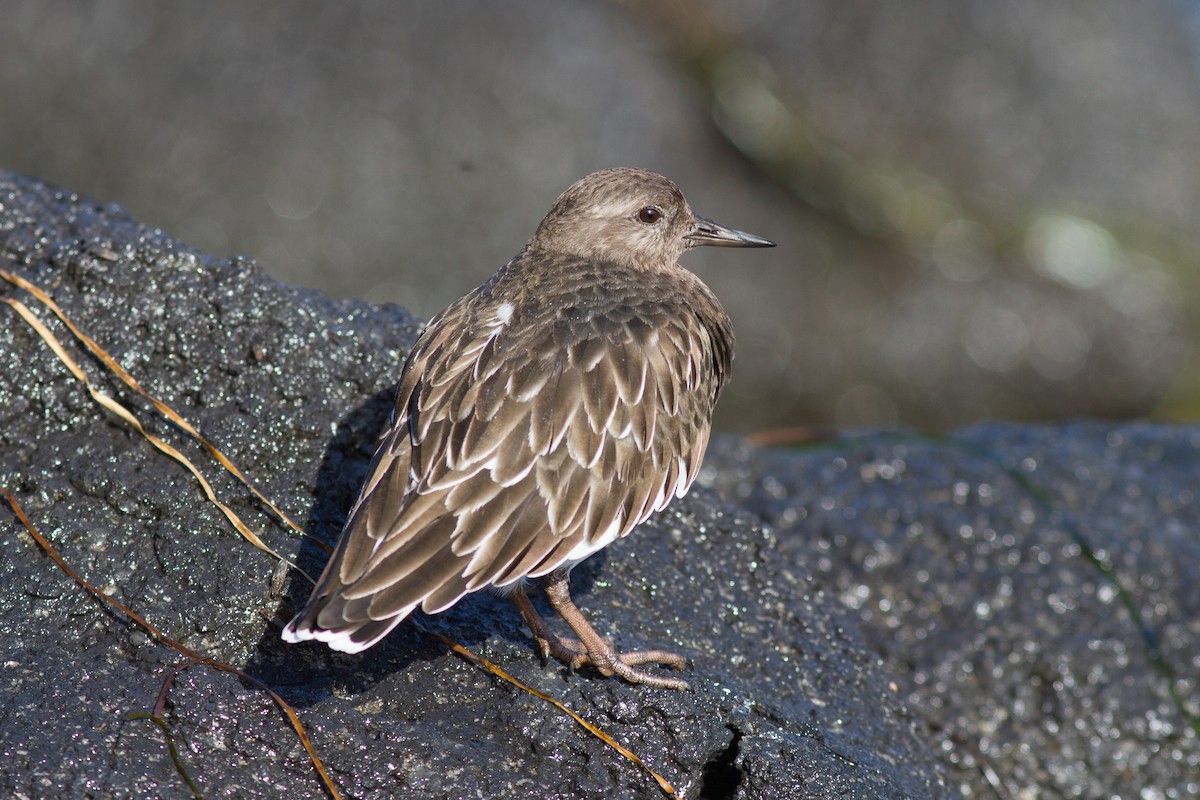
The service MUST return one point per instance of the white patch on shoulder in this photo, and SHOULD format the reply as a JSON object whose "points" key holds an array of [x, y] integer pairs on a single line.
{"points": [[504, 312]]}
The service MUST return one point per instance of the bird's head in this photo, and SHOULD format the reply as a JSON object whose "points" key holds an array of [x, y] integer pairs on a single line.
{"points": [[633, 217]]}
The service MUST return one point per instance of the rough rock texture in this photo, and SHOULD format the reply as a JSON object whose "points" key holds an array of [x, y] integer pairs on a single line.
{"points": [[1034, 589], [1009, 611], [789, 701]]}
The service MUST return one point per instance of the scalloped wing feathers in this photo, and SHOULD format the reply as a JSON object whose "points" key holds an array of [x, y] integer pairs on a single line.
{"points": [[523, 442]]}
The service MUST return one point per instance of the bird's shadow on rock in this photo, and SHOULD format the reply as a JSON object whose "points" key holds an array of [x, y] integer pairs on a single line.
{"points": [[308, 672]]}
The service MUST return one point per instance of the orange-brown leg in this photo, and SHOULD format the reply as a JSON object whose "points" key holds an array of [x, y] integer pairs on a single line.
{"points": [[591, 649]]}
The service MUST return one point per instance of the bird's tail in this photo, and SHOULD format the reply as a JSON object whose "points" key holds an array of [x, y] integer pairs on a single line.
{"points": [[322, 621]]}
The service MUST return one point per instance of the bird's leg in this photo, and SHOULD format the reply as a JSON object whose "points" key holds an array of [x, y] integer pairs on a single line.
{"points": [[548, 642], [596, 651]]}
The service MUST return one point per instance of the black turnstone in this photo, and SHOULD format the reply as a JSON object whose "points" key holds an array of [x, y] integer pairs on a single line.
{"points": [[539, 418]]}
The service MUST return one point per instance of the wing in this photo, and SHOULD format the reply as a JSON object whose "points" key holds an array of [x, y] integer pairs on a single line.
{"points": [[518, 446]]}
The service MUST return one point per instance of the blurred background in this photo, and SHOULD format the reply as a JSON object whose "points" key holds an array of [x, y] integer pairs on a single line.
{"points": [[984, 210]]}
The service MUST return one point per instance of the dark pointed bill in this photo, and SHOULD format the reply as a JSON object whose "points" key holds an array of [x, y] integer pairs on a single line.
{"points": [[706, 232]]}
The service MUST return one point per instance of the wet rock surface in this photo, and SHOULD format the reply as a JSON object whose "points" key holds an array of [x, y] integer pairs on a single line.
{"points": [[1010, 608], [1033, 589], [294, 388]]}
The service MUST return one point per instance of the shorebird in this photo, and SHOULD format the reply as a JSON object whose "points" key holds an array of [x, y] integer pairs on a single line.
{"points": [[538, 419]]}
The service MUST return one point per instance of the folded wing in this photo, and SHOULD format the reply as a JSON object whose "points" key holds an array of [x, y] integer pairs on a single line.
{"points": [[515, 450]]}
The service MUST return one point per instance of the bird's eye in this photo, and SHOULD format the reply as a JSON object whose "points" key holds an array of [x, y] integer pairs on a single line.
{"points": [[649, 215]]}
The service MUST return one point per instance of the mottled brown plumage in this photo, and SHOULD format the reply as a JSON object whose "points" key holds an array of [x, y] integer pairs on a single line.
{"points": [[539, 418]]}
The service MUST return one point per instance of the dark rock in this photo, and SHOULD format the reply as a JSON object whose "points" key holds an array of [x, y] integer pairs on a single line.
{"points": [[1035, 591], [790, 700]]}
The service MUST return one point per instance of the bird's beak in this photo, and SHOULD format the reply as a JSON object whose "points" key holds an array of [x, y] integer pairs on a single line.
{"points": [[706, 232]]}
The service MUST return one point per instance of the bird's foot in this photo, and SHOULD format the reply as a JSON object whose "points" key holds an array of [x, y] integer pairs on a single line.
{"points": [[610, 662], [607, 660], [599, 653]]}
